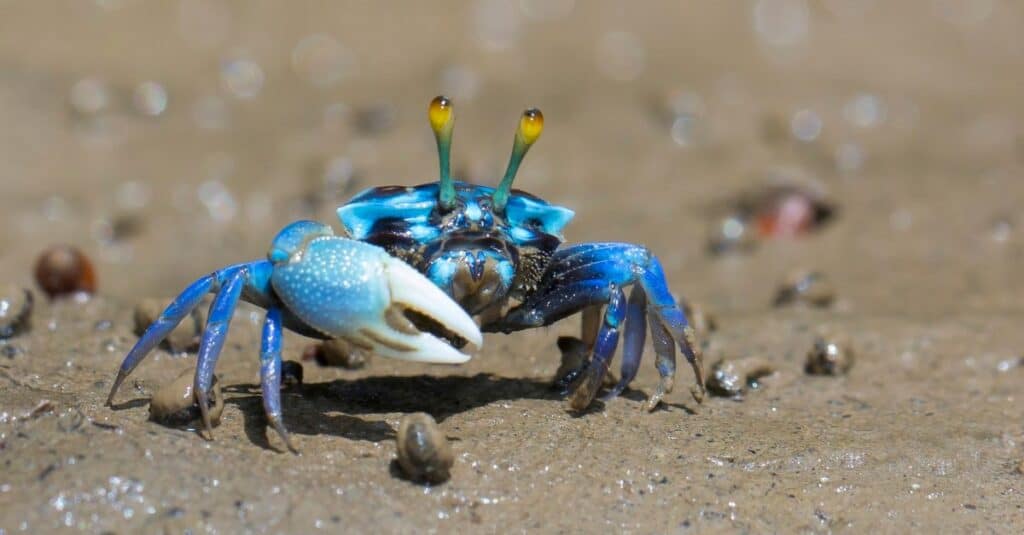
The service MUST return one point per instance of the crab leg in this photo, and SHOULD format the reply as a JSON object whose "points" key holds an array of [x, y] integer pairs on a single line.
{"points": [[270, 374], [604, 348], [221, 312], [665, 351], [634, 336], [580, 277], [256, 287], [673, 326], [159, 329]]}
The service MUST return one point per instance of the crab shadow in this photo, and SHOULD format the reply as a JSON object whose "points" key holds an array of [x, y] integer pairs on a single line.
{"points": [[334, 407]]}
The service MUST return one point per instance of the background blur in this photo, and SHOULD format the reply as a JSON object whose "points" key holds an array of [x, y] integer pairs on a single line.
{"points": [[170, 138]]}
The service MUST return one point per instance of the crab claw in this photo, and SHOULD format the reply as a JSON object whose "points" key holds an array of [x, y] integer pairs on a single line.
{"points": [[413, 292], [353, 290]]}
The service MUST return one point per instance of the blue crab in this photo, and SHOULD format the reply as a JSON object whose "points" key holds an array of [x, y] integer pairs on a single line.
{"points": [[419, 261]]}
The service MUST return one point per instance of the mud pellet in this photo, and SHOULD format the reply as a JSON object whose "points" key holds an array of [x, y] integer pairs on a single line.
{"points": [[806, 287], [336, 353], [732, 378], [291, 374], [175, 405], [829, 355], [423, 451], [184, 337], [702, 321]]}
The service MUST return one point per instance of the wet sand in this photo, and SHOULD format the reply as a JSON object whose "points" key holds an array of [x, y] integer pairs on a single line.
{"points": [[908, 117]]}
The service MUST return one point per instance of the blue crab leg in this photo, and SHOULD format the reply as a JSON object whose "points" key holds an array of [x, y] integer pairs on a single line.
{"points": [[665, 351], [674, 326], [159, 329], [578, 277], [270, 374], [221, 311], [604, 349], [634, 336], [257, 290]]}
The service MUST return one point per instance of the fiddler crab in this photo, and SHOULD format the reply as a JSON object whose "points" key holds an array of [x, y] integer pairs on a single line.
{"points": [[417, 264]]}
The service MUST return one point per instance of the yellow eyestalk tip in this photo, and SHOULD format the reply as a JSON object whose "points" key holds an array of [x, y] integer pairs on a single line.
{"points": [[531, 125], [441, 114]]}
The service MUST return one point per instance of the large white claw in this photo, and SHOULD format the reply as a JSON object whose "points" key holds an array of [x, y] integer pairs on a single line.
{"points": [[411, 290], [356, 291]]}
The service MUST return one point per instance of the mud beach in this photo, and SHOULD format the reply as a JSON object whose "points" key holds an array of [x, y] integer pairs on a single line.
{"points": [[169, 139]]}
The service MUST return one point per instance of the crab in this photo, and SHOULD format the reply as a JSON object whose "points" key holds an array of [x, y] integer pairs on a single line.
{"points": [[417, 263]]}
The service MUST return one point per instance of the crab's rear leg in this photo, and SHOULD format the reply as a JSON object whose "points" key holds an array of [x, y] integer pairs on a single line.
{"points": [[604, 347], [583, 276], [632, 341], [634, 334], [671, 325]]}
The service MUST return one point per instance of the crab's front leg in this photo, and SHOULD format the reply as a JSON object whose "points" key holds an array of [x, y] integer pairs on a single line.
{"points": [[228, 284], [593, 275]]}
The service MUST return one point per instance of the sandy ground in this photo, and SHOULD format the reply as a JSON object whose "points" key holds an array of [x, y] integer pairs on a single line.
{"points": [[908, 115]]}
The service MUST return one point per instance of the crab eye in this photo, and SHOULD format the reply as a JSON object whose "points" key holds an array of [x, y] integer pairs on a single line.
{"points": [[442, 120], [531, 124]]}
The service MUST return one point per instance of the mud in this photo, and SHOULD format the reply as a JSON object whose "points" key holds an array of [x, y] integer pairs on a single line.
{"points": [[907, 114]]}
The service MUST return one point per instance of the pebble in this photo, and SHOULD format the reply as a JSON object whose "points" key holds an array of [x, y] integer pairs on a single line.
{"points": [[63, 270], [15, 310], [184, 337], [423, 451], [807, 287], [173, 404], [830, 355]]}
